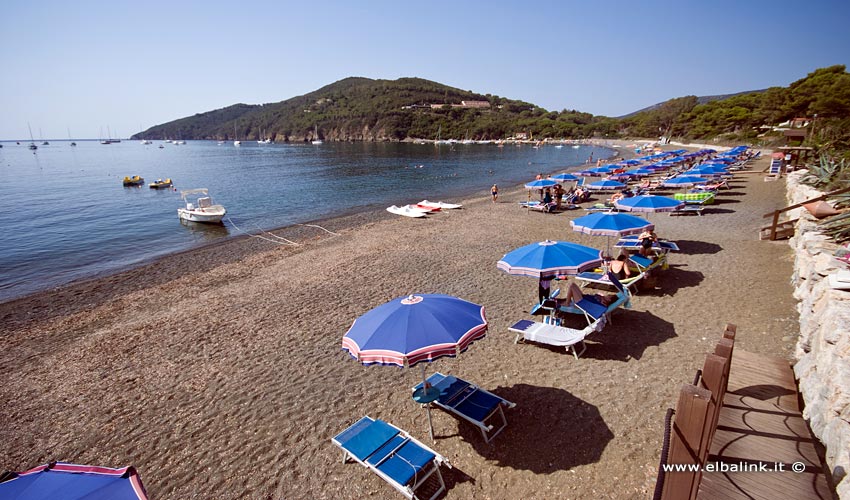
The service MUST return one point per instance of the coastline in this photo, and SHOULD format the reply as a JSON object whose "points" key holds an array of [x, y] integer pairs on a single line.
{"points": [[235, 370], [95, 290]]}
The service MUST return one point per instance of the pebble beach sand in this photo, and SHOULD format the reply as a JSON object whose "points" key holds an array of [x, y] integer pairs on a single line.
{"points": [[218, 373]]}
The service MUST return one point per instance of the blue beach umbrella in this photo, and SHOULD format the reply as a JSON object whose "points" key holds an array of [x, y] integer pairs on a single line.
{"points": [[588, 173], [705, 172], [415, 329], [649, 203], [549, 258], [639, 172], [564, 177], [540, 184], [606, 184], [610, 224], [684, 181], [66, 481]]}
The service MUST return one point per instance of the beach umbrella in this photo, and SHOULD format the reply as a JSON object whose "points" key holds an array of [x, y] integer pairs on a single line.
{"points": [[639, 172], [705, 172], [649, 203], [415, 329], [684, 181], [610, 224], [602, 170], [548, 258], [564, 177], [588, 173], [605, 184], [65, 481], [540, 184], [630, 162]]}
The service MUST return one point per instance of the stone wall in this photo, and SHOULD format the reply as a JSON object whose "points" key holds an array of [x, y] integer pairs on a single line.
{"points": [[823, 349]]}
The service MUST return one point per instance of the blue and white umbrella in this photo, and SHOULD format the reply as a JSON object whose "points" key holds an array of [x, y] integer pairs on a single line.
{"points": [[67, 481], [414, 329], [649, 203], [564, 177], [540, 184], [610, 224], [684, 181], [605, 184], [549, 258]]}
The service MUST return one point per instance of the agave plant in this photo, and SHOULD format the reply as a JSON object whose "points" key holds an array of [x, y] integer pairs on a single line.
{"points": [[837, 227], [822, 174]]}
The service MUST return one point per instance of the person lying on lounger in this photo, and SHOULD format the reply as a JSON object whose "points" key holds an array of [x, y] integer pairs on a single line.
{"points": [[574, 294]]}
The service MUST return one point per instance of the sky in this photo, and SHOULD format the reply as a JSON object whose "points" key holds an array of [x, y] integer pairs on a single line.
{"points": [[85, 67]]}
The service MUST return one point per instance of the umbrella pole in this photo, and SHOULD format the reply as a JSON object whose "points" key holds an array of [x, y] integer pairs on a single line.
{"points": [[428, 406]]}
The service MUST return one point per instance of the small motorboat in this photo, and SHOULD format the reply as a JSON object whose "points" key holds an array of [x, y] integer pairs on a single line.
{"points": [[134, 181], [202, 210], [439, 205], [161, 184], [405, 211]]}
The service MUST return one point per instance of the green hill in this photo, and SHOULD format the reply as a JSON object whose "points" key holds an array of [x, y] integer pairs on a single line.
{"points": [[362, 109]]}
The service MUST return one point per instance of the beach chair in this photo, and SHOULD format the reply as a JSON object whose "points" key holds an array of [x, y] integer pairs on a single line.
{"points": [[551, 334], [689, 210], [593, 311], [599, 278], [469, 402], [547, 208], [392, 454], [633, 243]]}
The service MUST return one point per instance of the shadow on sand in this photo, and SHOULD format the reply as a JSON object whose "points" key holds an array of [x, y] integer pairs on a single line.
{"points": [[628, 336], [674, 278], [548, 430], [694, 247]]}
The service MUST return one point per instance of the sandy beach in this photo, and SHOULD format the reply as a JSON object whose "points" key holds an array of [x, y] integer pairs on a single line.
{"points": [[218, 373]]}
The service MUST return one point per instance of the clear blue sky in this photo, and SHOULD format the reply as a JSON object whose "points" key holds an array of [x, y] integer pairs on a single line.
{"points": [[89, 65]]}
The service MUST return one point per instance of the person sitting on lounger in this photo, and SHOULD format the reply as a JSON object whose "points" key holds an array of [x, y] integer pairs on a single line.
{"points": [[620, 267], [647, 239], [574, 295]]}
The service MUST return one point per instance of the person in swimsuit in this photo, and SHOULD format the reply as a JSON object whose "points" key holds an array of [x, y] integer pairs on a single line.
{"points": [[647, 239], [494, 192], [620, 267]]}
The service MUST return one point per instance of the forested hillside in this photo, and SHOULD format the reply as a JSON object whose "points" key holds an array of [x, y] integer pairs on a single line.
{"points": [[362, 109]]}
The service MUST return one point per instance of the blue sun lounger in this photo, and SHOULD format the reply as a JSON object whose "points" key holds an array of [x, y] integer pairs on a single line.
{"points": [[592, 310], [392, 454], [471, 403]]}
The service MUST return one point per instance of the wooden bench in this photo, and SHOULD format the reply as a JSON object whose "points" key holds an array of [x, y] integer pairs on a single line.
{"points": [[741, 429]]}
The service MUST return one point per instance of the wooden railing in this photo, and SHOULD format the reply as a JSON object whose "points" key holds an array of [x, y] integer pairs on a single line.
{"points": [[776, 226]]}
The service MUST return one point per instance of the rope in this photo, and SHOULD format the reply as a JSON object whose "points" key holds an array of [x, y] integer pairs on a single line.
{"points": [[290, 242], [259, 236], [665, 450]]}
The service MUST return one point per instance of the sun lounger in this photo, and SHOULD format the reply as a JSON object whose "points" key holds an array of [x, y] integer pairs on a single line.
{"points": [[392, 454], [588, 277], [544, 207], [706, 198], [592, 310], [689, 210], [561, 336], [471, 403], [632, 243]]}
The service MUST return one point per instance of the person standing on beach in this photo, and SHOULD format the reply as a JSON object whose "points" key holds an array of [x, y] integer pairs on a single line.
{"points": [[494, 192], [543, 288]]}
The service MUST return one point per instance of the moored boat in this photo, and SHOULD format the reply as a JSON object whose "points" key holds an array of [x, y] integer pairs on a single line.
{"points": [[405, 211], [134, 180], [161, 184], [202, 210]]}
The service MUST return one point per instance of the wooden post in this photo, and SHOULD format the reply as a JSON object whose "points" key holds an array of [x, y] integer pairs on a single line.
{"points": [[773, 225], [714, 379], [686, 443], [730, 331]]}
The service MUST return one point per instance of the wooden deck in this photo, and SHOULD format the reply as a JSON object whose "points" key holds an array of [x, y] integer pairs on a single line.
{"points": [[761, 424]]}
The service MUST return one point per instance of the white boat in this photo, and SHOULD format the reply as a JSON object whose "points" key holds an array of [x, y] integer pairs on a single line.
{"points": [[405, 211], [317, 141], [202, 210], [236, 142], [414, 208], [145, 142], [440, 205]]}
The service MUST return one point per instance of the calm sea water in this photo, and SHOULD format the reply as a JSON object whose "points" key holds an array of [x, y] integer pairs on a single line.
{"points": [[65, 215]]}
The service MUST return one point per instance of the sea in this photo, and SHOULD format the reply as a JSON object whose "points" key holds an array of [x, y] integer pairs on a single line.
{"points": [[65, 215]]}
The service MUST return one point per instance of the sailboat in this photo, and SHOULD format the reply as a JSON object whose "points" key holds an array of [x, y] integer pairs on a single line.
{"points": [[316, 135], [32, 145], [236, 142], [69, 138], [41, 136]]}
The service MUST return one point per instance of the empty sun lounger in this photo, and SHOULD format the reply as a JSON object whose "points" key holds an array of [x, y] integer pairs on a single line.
{"points": [[689, 210], [561, 336], [392, 454], [471, 403]]}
